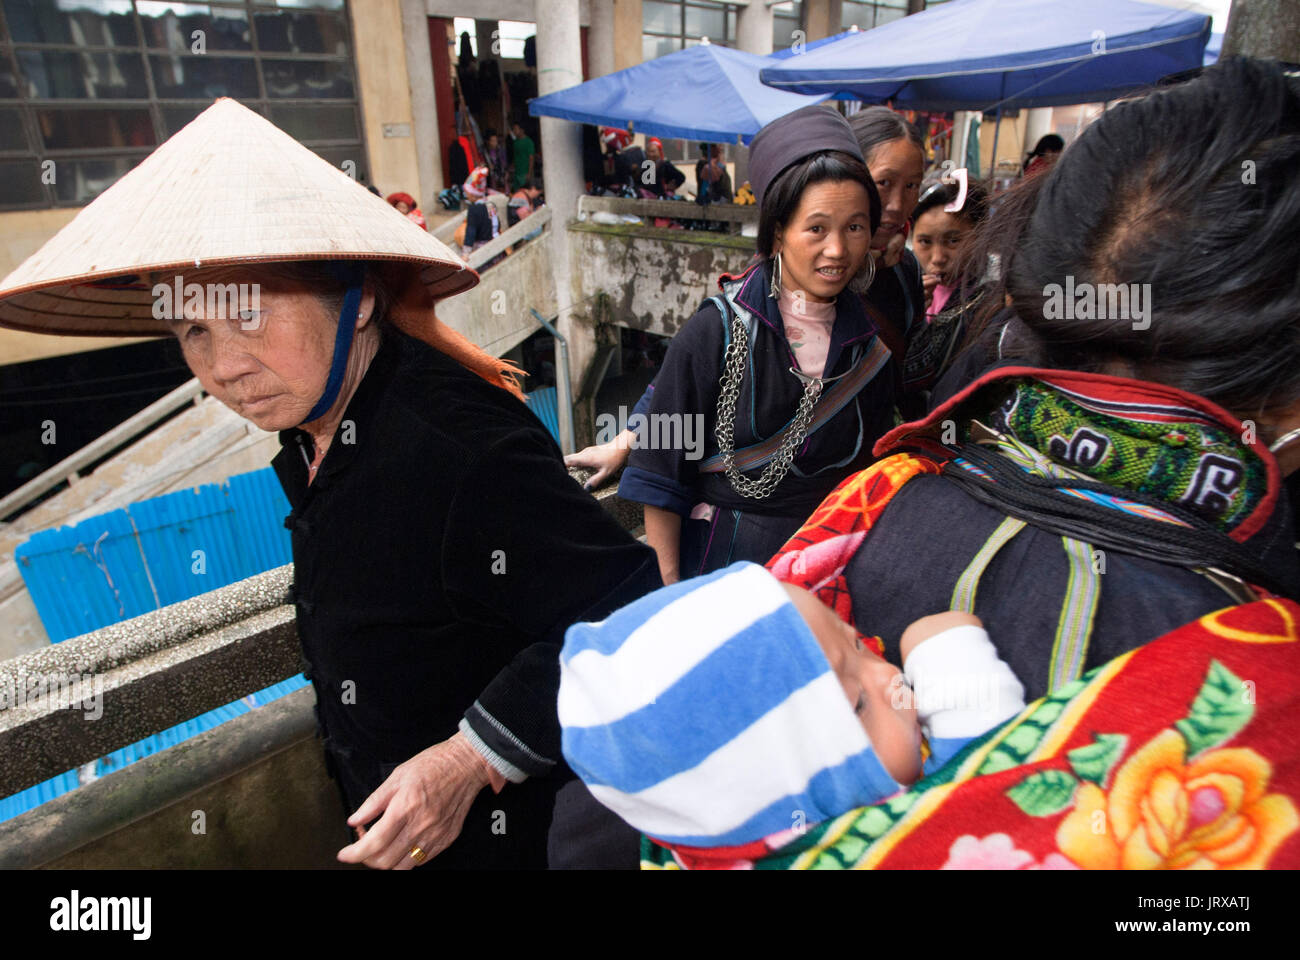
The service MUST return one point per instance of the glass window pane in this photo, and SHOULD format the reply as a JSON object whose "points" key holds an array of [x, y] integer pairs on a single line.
{"points": [[60, 74], [104, 23], [171, 26], [20, 182], [321, 4], [8, 82], [652, 47], [661, 17], [706, 22], [78, 182], [308, 78], [783, 32], [12, 134], [861, 15], [89, 129], [204, 78], [305, 32], [886, 15], [317, 123], [350, 159], [177, 115]]}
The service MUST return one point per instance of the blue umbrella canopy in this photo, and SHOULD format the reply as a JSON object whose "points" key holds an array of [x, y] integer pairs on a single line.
{"points": [[706, 92], [974, 54]]}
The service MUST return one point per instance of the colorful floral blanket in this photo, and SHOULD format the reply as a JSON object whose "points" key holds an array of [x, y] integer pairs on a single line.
{"points": [[1180, 754]]}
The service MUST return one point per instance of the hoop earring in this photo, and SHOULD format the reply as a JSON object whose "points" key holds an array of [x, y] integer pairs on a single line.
{"points": [[870, 272], [1283, 440], [774, 291]]}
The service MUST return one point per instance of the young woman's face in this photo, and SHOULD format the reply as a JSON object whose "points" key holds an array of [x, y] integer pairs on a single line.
{"points": [[897, 167], [937, 237], [826, 241]]}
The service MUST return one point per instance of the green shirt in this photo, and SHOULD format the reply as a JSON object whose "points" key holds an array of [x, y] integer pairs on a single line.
{"points": [[523, 149]]}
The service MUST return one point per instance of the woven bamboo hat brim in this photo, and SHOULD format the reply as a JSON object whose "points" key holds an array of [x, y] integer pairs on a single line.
{"points": [[228, 188]]}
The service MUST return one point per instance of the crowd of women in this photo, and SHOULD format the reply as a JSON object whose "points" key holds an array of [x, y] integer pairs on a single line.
{"points": [[990, 447]]}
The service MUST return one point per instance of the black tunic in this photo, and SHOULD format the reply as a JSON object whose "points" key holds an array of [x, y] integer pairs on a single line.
{"points": [[439, 555]]}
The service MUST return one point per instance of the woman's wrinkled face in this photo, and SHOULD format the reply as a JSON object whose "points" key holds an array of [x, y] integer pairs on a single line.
{"points": [[269, 365], [937, 238], [874, 687], [826, 240], [897, 167], [653, 152]]}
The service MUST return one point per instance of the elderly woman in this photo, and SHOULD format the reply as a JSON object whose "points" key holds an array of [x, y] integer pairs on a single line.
{"points": [[440, 548]]}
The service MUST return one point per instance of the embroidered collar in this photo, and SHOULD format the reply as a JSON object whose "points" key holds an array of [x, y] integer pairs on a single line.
{"points": [[1130, 434]]}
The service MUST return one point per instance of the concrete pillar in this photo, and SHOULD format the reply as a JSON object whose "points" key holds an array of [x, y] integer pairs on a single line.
{"points": [[600, 37], [483, 37], [960, 135], [754, 28], [559, 65], [385, 95], [1267, 29], [628, 24], [424, 112], [822, 18]]}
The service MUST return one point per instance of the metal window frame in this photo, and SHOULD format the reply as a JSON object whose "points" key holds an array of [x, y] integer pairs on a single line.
{"points": [[28, 106], [682, 36]]}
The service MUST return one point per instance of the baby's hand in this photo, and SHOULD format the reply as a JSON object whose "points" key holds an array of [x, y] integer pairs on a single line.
{"points": [[921, 630]]}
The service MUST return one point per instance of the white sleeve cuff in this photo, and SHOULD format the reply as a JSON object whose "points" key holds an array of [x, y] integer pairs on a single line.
{"points": [[962, 688]]}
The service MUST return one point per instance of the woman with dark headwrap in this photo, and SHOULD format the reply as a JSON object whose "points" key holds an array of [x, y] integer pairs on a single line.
{"points": [[779, 384]]}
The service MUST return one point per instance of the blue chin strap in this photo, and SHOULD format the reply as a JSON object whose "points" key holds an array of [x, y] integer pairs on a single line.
{"points": [[352, 274]]}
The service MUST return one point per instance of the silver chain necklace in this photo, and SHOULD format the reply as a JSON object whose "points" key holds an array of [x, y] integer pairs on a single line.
{"points": [[733, 366]]}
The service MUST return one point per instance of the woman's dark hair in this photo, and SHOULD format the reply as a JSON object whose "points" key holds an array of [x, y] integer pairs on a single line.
{"points": [[1048, 143], [782, 197], [875, 126], [1191, 196], [974, 210]]}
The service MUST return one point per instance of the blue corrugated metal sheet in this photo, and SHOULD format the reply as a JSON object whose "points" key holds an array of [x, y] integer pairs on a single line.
{"points": [[155, 552], [542, 402], [127, 562]]}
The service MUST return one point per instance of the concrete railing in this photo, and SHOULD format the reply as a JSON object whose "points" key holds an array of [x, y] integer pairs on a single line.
{"points": [[446, 231], [508, 238], [258, 780], [732, 213]]}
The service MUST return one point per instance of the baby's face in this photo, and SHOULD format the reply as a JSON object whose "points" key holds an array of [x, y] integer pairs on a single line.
{"points": [[870, 683]]}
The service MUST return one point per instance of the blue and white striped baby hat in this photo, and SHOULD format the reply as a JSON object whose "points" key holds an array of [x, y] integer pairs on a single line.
{"points": [[706, 714]]}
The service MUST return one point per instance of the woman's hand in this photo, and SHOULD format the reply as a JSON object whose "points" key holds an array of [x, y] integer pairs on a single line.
{"points": [[605, 458], [892, 253], [929, 281], [423, 802]]}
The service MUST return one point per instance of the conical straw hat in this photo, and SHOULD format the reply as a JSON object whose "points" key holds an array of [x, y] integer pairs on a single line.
{"points": [[230, 187]]}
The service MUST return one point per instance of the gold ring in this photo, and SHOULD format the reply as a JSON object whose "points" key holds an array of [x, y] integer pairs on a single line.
{"points": [[418, 855]]}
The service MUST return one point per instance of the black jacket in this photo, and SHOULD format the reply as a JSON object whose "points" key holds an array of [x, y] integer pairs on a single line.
{"points": [[439, 555]]}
